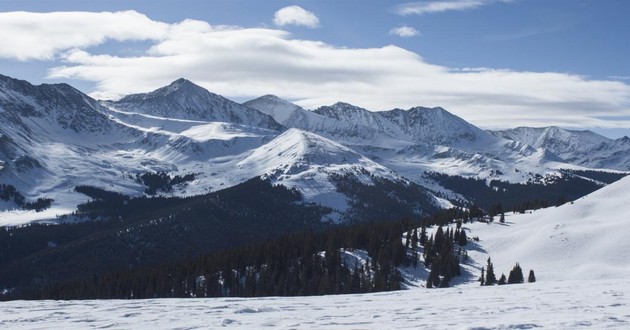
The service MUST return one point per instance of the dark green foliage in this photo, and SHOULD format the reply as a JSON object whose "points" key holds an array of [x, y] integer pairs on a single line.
{"points": [[517, 196], [440, 255], [423, 235], [462, 240], [502, 279], [516, 275], [384, 199], [433, 280], [147, 231], [495, 209], [531, 278], [162, 181], [602, 176], [134, 235], [291, 265], [10, 193], [491, 278]]}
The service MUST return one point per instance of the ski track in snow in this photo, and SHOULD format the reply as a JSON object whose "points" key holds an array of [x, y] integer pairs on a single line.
{"points": [[557, 305]]}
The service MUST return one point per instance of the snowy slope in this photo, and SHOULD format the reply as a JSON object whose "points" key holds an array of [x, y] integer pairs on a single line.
{"points": [[554, 305], [584, 240], [281, 110], [303, 160]]}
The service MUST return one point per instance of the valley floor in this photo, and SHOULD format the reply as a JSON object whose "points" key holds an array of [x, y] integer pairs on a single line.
{"points": [[595, 304]]}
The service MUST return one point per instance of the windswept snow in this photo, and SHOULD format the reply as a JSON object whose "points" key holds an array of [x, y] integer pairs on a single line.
{"points": [[555, 305]]}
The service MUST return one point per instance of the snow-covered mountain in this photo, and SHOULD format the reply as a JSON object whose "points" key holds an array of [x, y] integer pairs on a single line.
{"points": [[583, 148], [183, 99], [415, 141], [53, 138]]}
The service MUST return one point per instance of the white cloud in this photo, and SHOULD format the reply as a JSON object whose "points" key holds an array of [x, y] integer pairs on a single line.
{"points": [[39, 36], [404, 31], [244, 63], [295, 15], [437, 6]]}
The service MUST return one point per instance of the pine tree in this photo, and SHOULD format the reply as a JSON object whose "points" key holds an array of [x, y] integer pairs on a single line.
{"points": [[434, 277], [482, 278], [491, 279], [463, 239], [516, 275], [531, 278], [423, 235], [414, 239], [438, 239], [502, 279]]}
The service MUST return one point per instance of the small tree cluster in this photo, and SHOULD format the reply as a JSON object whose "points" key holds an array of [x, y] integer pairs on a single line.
{"points": [[515, 276], [440, 255]]}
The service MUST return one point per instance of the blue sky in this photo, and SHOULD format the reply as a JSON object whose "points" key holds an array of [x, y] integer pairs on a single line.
{"points": [[496, 63]]}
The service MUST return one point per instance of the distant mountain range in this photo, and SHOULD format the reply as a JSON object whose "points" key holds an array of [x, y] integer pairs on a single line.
{"points": [[54, 138]]}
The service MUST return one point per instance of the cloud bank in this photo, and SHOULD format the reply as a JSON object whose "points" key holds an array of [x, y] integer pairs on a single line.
{"points": [[249, 62]]}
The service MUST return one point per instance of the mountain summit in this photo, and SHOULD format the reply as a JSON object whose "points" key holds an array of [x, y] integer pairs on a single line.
{"points": [[183, 99]]}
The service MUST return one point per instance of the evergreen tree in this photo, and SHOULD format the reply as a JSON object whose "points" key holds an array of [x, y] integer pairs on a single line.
{"points": [[502, 279], [482, 278], [531, 278], [434, 276], [516, 275], [423, 235], [414, 239], [463, 239], [438, 239], [491, 279]]}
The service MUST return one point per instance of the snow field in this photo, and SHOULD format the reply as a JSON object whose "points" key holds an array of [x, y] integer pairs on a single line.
{"points": [[555, 305]]}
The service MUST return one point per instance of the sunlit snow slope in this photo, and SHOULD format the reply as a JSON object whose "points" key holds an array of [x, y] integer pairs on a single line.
{"points": [[584, 240]]}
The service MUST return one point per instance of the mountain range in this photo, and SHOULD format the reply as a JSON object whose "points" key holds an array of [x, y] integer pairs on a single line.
{"points": [[54, 138]]}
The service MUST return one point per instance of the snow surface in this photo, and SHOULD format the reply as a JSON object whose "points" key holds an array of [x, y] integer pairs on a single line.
{"points": [[555, 305], [583, 240]]}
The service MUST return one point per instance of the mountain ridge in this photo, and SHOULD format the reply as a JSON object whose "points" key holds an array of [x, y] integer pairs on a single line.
{"points": [[54, 138]]}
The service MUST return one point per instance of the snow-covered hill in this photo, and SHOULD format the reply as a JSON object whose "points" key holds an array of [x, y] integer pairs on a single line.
{"points": [[583, 240]]}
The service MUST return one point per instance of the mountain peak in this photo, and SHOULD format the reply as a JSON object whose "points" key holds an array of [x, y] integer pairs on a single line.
{"points": [[274, 106], [271, 97], [183, 99], [341, 111], [179, 86]]}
